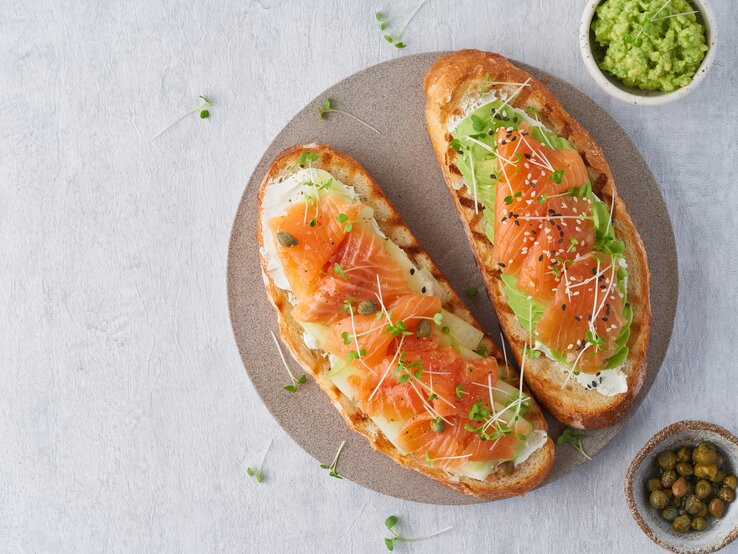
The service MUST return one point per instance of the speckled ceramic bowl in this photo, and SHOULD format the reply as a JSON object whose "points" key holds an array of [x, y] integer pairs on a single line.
{"points": [[719, 532], [630, 95]]}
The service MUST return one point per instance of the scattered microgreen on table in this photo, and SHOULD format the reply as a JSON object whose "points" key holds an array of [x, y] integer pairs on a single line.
{"points": [[326, 107], [390, 524], [332, 471], [296, 381], [395, 39], [258, 472], [569, 436], [202, 106], [471, 292]]}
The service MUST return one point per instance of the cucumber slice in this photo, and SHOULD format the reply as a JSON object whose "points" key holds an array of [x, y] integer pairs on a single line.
{"points": [[460, 331]]}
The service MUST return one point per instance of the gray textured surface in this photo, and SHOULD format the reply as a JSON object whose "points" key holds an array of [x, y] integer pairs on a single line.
{"points": [[403, 163], [126, 415]]}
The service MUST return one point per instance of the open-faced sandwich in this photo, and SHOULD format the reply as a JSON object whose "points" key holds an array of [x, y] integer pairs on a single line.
{"points": [[367, 313], [563, 263]]}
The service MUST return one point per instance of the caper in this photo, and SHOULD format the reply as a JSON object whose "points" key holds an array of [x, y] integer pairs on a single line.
{"points": [[699, 524], [667, 460], [702, 489], [726, 494], [684, 454], [680, 487], [506, 468], [438, 425], [702, 512], [668, 478], [692, 504], [716, 507], [367, 307], [685, 469], [706, 471], [720, 460], [681, 524], [720, 476], [658, 500], [669, 513], [423, 329], [287, 240], [653, 484], [731, 481], [705, 454]]}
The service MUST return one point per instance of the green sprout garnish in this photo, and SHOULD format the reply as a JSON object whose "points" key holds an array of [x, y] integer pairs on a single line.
{"points": [[390, 523], [202, 104], [509, 199], [471, 292], [557, 176], [569, 436], [397, 329], [572, 244], [326, 107], [405, 369], [332, 467], [595, 340], [459, 391], [383, 21], [258, 472], [295, 380], [354, 355], [438, 318], [338, 270], [343, 218], [306, 158], [481, 350]]}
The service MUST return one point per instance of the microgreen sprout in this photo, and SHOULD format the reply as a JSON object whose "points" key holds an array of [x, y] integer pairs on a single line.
{"points": [[258, 472], [332, 467], [383, 21], [557, 176], [471, 292], [295, 380], [405, 370], [343, 218], [326, 107], [306, 157], [438, 318], [569, 436], [390, 524], [202, 106], [338, 270]]}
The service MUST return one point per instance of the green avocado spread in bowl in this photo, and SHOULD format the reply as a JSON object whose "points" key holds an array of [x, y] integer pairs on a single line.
{"points": [[651, 45]]}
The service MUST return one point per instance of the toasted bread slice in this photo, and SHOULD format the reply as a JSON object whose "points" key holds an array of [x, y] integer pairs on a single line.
{"points": [[449, 85], [528, 474]]}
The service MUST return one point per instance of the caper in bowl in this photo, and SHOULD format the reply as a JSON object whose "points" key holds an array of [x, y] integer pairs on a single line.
{"points": [[679, 487]]}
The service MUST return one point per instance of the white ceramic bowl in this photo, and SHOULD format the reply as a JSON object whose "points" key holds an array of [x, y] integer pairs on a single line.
{"points": [[720, 532], [636, 96]]}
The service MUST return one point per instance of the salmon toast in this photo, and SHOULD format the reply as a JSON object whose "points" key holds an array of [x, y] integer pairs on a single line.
{"points": [[368, 314], [562, 261]]}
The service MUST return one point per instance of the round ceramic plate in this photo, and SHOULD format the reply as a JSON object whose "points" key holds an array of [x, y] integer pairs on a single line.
{"points": [[391, 98]]}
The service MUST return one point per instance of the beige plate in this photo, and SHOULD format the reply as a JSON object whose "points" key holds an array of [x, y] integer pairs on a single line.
{"points": [[390, 97]]}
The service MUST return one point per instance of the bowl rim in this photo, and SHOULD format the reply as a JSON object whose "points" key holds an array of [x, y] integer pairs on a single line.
{"points": [[651, 444], [622, 94]]}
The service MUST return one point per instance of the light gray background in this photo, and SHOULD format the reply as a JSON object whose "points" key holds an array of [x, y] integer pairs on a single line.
{"points": [[126, 416]]}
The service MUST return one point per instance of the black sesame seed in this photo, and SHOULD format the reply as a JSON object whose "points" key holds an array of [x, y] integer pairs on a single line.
{"points": [[412, 271], [563, 307], [422, 290]]}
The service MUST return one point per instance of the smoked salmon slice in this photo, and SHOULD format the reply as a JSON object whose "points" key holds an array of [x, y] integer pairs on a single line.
{"points": [[352, 272], [529, 174], [375, 333], [563, 233], [585, 317], [318, 232]]}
